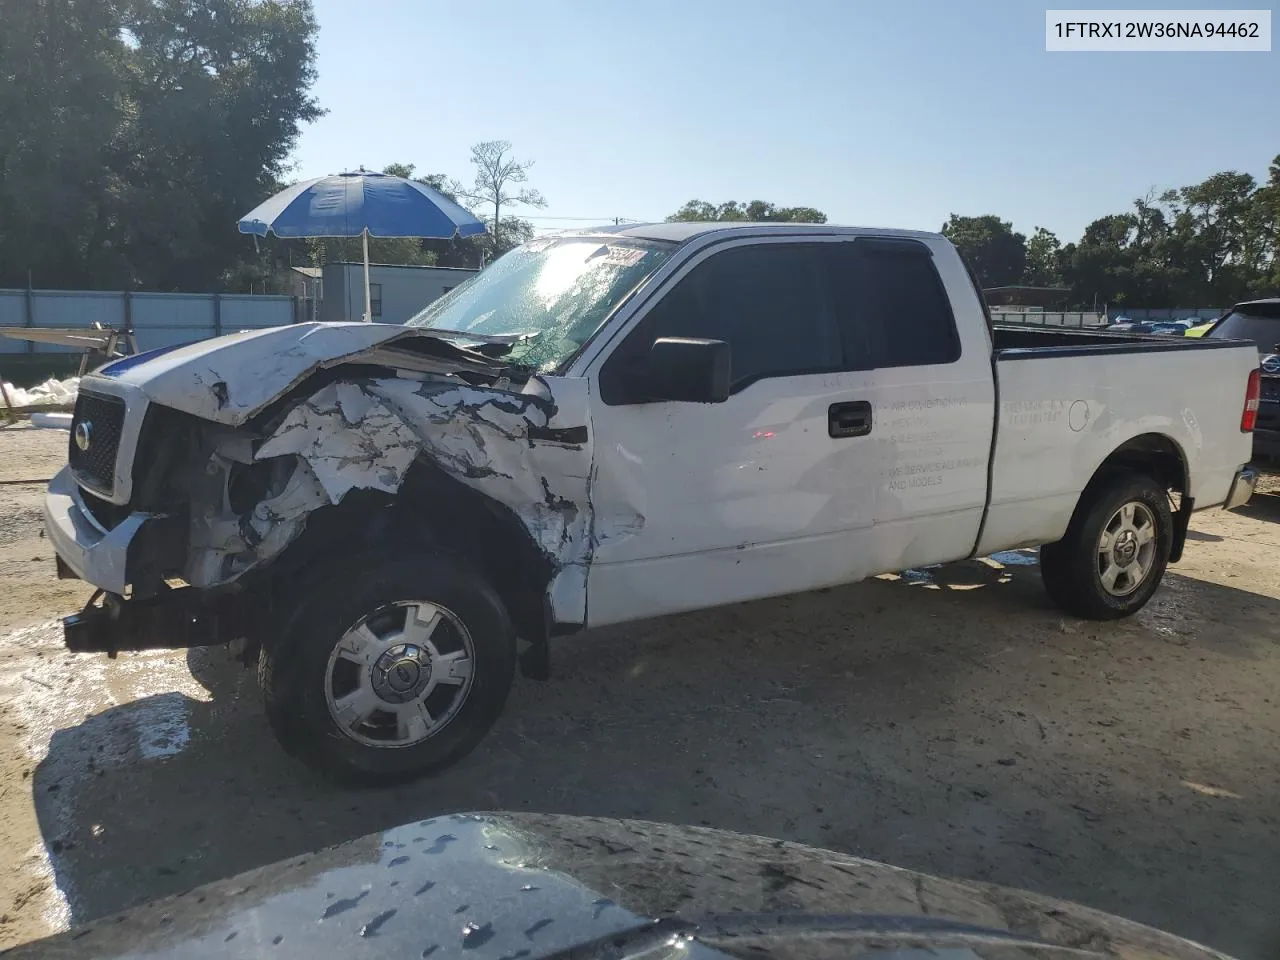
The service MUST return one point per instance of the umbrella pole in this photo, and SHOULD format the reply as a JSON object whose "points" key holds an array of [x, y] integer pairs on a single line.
{"points": [[368, 297]]}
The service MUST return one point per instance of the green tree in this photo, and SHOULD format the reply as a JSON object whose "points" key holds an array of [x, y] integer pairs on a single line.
{"points": [[1265, 220], [1044, 259], [1215, 227], [997, 255], [1100, 267], [756, 211], [219, 91], [156, 123], [63, 80], [1208, 244]]}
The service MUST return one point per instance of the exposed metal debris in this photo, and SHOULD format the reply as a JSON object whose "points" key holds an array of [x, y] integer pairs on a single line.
{"points": [[349, 438], [226, 544], [524, 450], [367, 434]]}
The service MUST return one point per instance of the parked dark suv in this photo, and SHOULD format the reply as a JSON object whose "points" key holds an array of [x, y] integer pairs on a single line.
{"points": [[1259, 321]]}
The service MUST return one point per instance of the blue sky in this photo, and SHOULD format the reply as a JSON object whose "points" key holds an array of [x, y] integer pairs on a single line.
{"points": [[888, 113]]}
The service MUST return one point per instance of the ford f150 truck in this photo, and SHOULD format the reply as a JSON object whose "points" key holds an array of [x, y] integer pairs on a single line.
{"points": [[606, 426]]}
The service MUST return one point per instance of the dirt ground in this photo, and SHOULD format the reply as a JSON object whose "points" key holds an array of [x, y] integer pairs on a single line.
{"points": [[948, 720]]}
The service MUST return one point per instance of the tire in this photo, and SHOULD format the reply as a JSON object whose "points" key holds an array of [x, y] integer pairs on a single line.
{"points": [[412, 649], [1077, 569]]}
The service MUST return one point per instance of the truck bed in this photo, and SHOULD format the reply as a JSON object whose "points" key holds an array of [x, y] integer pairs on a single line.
{"points": [[1068, 398], [1014, 340]]}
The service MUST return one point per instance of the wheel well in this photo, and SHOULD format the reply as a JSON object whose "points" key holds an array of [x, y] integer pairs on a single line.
{"points": [[1153, 454], [489, 534], [433, 507], [1160, 458]]}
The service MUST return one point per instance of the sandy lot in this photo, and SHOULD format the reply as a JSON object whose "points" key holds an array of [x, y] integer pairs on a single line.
{"points": [[952, 722]]}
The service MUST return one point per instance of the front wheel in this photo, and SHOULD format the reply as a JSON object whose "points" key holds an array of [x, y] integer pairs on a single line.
{"points": [[1115, 550], [390, 667]]}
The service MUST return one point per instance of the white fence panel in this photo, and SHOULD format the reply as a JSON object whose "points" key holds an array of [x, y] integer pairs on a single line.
{"points": [[74, 308], [167, 319], [158, 319], [1046, 318], [13, 313], [252, 312]]}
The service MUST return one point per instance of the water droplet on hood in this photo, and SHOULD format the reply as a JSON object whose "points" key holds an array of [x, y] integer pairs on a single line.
{"points": [[544, 922], [371, 928], [476, 935], [342, 906], [441, 842]]}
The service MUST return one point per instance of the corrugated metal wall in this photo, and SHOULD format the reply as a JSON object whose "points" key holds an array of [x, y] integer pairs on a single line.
{"points": [[159, 319]]}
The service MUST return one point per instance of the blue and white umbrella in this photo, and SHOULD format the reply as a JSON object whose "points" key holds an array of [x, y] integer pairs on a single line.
{"points": [[360, 204]]}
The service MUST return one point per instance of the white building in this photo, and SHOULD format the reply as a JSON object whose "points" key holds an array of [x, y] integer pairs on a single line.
{"points": [[396, 292]]}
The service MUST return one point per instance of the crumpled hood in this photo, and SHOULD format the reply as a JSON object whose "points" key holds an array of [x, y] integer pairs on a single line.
{"points": [[497, 887], [227, 379]]}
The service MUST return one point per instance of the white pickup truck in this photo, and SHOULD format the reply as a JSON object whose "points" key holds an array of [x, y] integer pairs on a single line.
{"points": [[612, 425]]}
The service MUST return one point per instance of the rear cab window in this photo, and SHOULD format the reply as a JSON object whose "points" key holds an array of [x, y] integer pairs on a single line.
{"points": [[892, 305]]}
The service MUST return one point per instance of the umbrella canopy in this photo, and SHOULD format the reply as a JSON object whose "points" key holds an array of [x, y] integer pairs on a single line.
{"points": [[360, 204]]}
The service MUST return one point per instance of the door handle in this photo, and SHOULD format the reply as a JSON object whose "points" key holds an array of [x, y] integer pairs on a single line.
{"points": [[849, 419]]}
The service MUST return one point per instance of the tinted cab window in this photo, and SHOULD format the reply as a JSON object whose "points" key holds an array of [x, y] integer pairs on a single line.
{"points": [[769, 302], [798, 308]]}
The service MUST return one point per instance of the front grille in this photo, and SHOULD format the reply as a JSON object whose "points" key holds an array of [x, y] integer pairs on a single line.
{"points": [[102, 418]]}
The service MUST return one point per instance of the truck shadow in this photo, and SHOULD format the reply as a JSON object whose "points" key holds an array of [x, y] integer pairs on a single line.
{"points": [[1262, 506], [972, 732]]}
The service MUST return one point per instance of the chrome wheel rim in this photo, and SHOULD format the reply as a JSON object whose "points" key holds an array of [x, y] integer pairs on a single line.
{"points": [[400, 674], [1127, 549]]}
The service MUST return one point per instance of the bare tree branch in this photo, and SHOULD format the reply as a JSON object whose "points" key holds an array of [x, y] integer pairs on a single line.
{"points": [[496, 170]]}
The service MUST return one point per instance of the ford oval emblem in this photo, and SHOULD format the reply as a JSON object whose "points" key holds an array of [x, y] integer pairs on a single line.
{"points": [[1271, 363], [83, 433]]}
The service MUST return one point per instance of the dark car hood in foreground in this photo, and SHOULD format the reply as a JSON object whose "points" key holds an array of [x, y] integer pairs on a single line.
{"points": [[514, 886]]}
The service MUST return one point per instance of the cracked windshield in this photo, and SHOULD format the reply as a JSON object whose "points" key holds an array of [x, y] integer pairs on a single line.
{"points": [[718, 479], [549, 296]]}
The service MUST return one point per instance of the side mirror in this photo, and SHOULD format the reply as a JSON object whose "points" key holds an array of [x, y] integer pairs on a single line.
{"points": [[688, 370]]}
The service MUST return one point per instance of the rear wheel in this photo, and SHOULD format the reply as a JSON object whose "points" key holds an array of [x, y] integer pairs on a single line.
{"points": [[390, 667], [1115, 550]]}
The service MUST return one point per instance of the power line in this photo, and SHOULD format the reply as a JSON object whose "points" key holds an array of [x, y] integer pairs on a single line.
{"points": [[589, 219]]}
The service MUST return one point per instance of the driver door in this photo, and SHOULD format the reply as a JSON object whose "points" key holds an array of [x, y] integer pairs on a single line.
{"points": [[699, 504]]}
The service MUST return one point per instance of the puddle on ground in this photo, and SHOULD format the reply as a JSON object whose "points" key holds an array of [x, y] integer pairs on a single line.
{"points": [[922, 575], [160, 725], [78, 697], [929, 576], [1016, 558]]}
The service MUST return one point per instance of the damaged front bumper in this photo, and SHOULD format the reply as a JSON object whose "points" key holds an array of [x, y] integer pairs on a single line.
{"points": [[87, 550], [173, 619], [169, 619]]}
